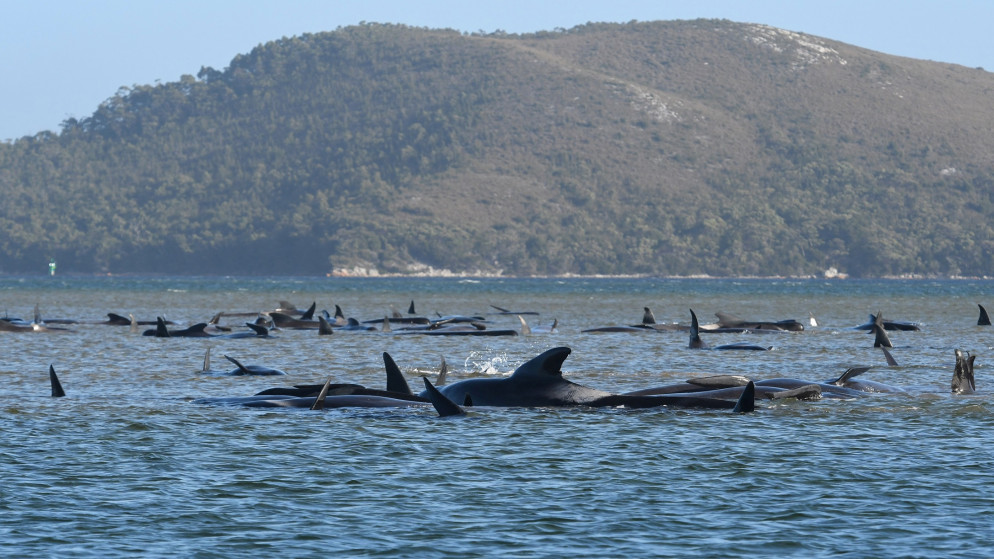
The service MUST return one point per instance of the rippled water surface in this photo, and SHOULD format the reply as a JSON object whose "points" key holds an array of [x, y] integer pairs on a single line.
{"points": [[128, 465]]}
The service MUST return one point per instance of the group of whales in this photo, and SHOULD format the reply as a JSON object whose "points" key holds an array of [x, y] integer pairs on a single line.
{"points": [[288, 317], [539, 382]]}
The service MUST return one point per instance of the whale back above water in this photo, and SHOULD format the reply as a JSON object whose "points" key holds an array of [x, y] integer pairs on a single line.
{"points": [[539, 382]]}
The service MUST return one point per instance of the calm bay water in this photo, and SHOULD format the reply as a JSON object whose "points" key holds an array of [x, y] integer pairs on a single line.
{"points": [[127, 465]]}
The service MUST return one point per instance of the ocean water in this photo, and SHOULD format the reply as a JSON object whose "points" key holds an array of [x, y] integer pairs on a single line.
{"points": [[127, 464]]}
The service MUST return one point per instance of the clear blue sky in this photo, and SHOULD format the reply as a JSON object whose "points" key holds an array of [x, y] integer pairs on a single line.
{"points": [[61, 59]]}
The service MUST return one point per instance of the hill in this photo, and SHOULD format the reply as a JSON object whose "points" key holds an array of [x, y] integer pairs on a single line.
{"points": [[661, 148]]}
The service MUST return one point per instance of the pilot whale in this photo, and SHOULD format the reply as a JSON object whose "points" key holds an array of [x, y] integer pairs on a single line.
{"points": [[539, 382], [697, 343]]}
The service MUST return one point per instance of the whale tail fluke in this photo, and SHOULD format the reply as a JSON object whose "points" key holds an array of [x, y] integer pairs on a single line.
{"points": [[881, 339], [891, 362], [57, 391], [444, 406], [963, 381]]}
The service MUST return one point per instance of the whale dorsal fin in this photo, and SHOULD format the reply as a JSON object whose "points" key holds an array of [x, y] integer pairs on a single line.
{"points": [[442, 404], [747, 401], [309, 313], [851, 373], [647, 316], [386, 325], [207, 360], [339, 316], [57, 391], [543, 367], [324, 327], [728, 320], [259, 329], [237, 364], [695, 332], [410, 310], [525, 329], [985, 319], [443, 371], [395, 379], [160, 328], [319, 401]]}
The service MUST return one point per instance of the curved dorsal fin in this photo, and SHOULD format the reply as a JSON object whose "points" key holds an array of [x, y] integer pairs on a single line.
{"points": [[324, 327], [386, 325], [544, 366], [309, 313], [851, 373], [442, 404], [395, 379], [319, 401], [237, 364], [747, 401], [207, 360], [695, 332], [525, 329], [985, 319], [259, 329]]}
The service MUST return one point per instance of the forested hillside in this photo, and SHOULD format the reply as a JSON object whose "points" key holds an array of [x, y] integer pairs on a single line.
{"points": [[660, 148]]}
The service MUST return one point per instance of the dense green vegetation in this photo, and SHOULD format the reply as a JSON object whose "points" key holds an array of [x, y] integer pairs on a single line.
{"points": [[666, 148]]}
